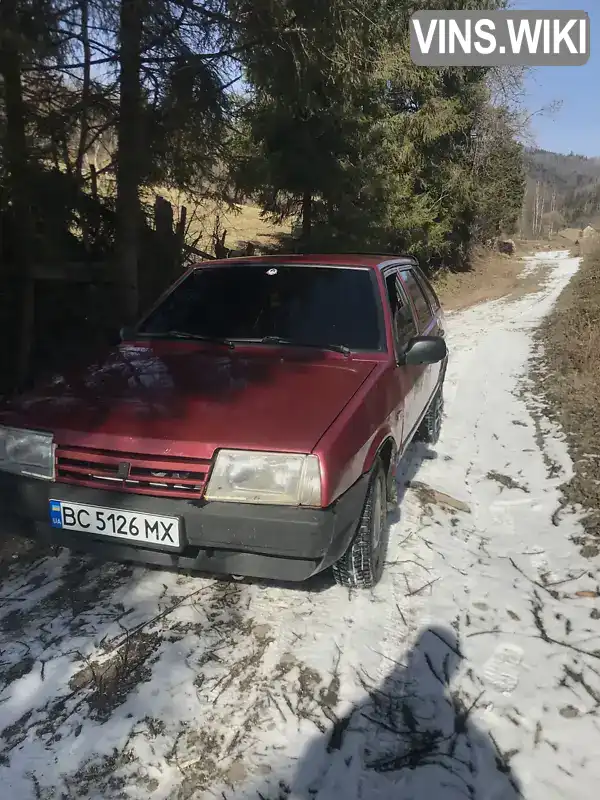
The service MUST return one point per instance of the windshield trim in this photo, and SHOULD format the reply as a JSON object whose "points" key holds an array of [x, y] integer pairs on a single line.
{"points": [[300, 264], [207, 265]]}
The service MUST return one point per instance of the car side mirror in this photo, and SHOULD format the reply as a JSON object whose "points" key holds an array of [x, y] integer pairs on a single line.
{"points": [[424, 350], [127, 332]]}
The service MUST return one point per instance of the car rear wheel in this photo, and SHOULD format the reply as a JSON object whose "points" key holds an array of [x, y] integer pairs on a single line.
{"points": [[362, 564], [430, 428]]}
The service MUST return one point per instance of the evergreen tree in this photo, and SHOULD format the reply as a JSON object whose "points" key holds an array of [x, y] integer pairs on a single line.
{"points": [[344, 132]]}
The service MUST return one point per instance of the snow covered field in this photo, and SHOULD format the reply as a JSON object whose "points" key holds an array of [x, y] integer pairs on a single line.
{"points": [[472, 671]]}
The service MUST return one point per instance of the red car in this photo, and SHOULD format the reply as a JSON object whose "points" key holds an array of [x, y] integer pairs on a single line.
{"points": [[249, 424]]}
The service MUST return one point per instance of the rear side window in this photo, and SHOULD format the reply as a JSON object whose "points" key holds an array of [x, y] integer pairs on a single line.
{"points": [[402, 315], [428, 289], [418, 297]]}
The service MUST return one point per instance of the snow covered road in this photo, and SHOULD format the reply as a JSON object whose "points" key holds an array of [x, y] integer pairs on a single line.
{"points": [[472, 671]]}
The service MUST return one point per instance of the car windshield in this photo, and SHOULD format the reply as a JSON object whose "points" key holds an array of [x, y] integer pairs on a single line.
{"points": [[306, 305]]}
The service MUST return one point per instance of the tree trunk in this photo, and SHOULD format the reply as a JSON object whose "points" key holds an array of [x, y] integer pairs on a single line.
{"points": [[84, 126], [307, 203], [330, 214], [129, 215], [85, 91], [179, 245], [16, 160], [94, 181]]}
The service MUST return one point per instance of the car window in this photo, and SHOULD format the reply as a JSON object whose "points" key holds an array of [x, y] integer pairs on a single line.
{"points": [[427, 289], [307, 304], [418, 298], [402, 316]]}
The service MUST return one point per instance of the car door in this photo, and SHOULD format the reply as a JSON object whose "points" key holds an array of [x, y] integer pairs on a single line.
{"points": [[437, 326], [428, 322], [406, 377]]}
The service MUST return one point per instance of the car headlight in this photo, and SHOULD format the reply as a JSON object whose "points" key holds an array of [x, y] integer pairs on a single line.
{"points": [[246, 476], [27, 453]]}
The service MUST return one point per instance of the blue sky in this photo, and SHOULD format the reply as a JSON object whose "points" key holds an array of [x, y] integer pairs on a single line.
{"points": [[576, 125]]}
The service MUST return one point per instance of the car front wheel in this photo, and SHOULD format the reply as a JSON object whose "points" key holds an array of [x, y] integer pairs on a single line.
{"points": [[362, 564]]}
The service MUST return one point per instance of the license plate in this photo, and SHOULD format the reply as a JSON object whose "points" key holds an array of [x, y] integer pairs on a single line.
{"points": [[131, 526]]}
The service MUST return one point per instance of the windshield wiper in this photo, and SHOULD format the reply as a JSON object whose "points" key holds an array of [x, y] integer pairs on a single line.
{"points": [[336, 348], [193, 336]]}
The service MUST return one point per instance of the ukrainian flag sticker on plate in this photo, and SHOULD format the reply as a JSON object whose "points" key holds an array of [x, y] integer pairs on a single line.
{"points": [[55, 514]]}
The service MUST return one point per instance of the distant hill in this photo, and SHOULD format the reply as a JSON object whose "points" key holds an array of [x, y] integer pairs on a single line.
{"points": [[562, 190]]}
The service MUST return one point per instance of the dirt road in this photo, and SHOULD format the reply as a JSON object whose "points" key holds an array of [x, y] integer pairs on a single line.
{"points": [[472, 671]]}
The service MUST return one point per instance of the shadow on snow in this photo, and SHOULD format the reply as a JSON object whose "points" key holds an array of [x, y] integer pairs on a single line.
{"points": [[412, 737]]}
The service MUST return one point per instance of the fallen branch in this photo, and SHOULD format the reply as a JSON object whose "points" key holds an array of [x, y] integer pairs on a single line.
{"points": [[418, 591], [401, 615], [537, 606], [156, 618], [567, 580], [454, 649], [429, 495], [577, 677], [553, 594], [485, 633]]}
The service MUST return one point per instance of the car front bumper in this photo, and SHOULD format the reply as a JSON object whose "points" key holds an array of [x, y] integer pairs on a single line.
{"points": [[273, 542]]}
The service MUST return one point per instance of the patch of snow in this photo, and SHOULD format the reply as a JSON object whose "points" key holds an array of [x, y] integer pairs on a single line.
{"points": [[471, 671], [533, 263]]}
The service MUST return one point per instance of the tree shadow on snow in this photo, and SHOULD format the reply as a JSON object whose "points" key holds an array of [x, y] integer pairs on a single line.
{"points": [[412, 737]]}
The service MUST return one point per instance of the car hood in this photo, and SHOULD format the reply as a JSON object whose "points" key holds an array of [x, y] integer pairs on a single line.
{"points": [[180, 399]]}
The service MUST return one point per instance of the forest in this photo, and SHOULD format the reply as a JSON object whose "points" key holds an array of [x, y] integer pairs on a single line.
{"points": [[312, 111], [561, 190]]}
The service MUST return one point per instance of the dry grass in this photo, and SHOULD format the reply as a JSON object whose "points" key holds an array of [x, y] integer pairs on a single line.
{"points": [[572, 234], [247, 225], [243, 223], [569, 376], [564, 239], [492, 276]]}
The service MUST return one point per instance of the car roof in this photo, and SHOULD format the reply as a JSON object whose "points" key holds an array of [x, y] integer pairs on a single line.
{"points": [[371, 260]]}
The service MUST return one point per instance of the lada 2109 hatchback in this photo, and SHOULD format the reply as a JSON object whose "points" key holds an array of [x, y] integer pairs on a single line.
{"points": [[250, 424]]}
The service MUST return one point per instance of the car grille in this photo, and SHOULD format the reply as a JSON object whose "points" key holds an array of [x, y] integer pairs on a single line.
{"points": [[162, 477]]}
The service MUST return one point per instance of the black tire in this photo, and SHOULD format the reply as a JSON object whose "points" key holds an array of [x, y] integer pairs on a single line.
{"points": [[361, 566], [429, 430]]}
